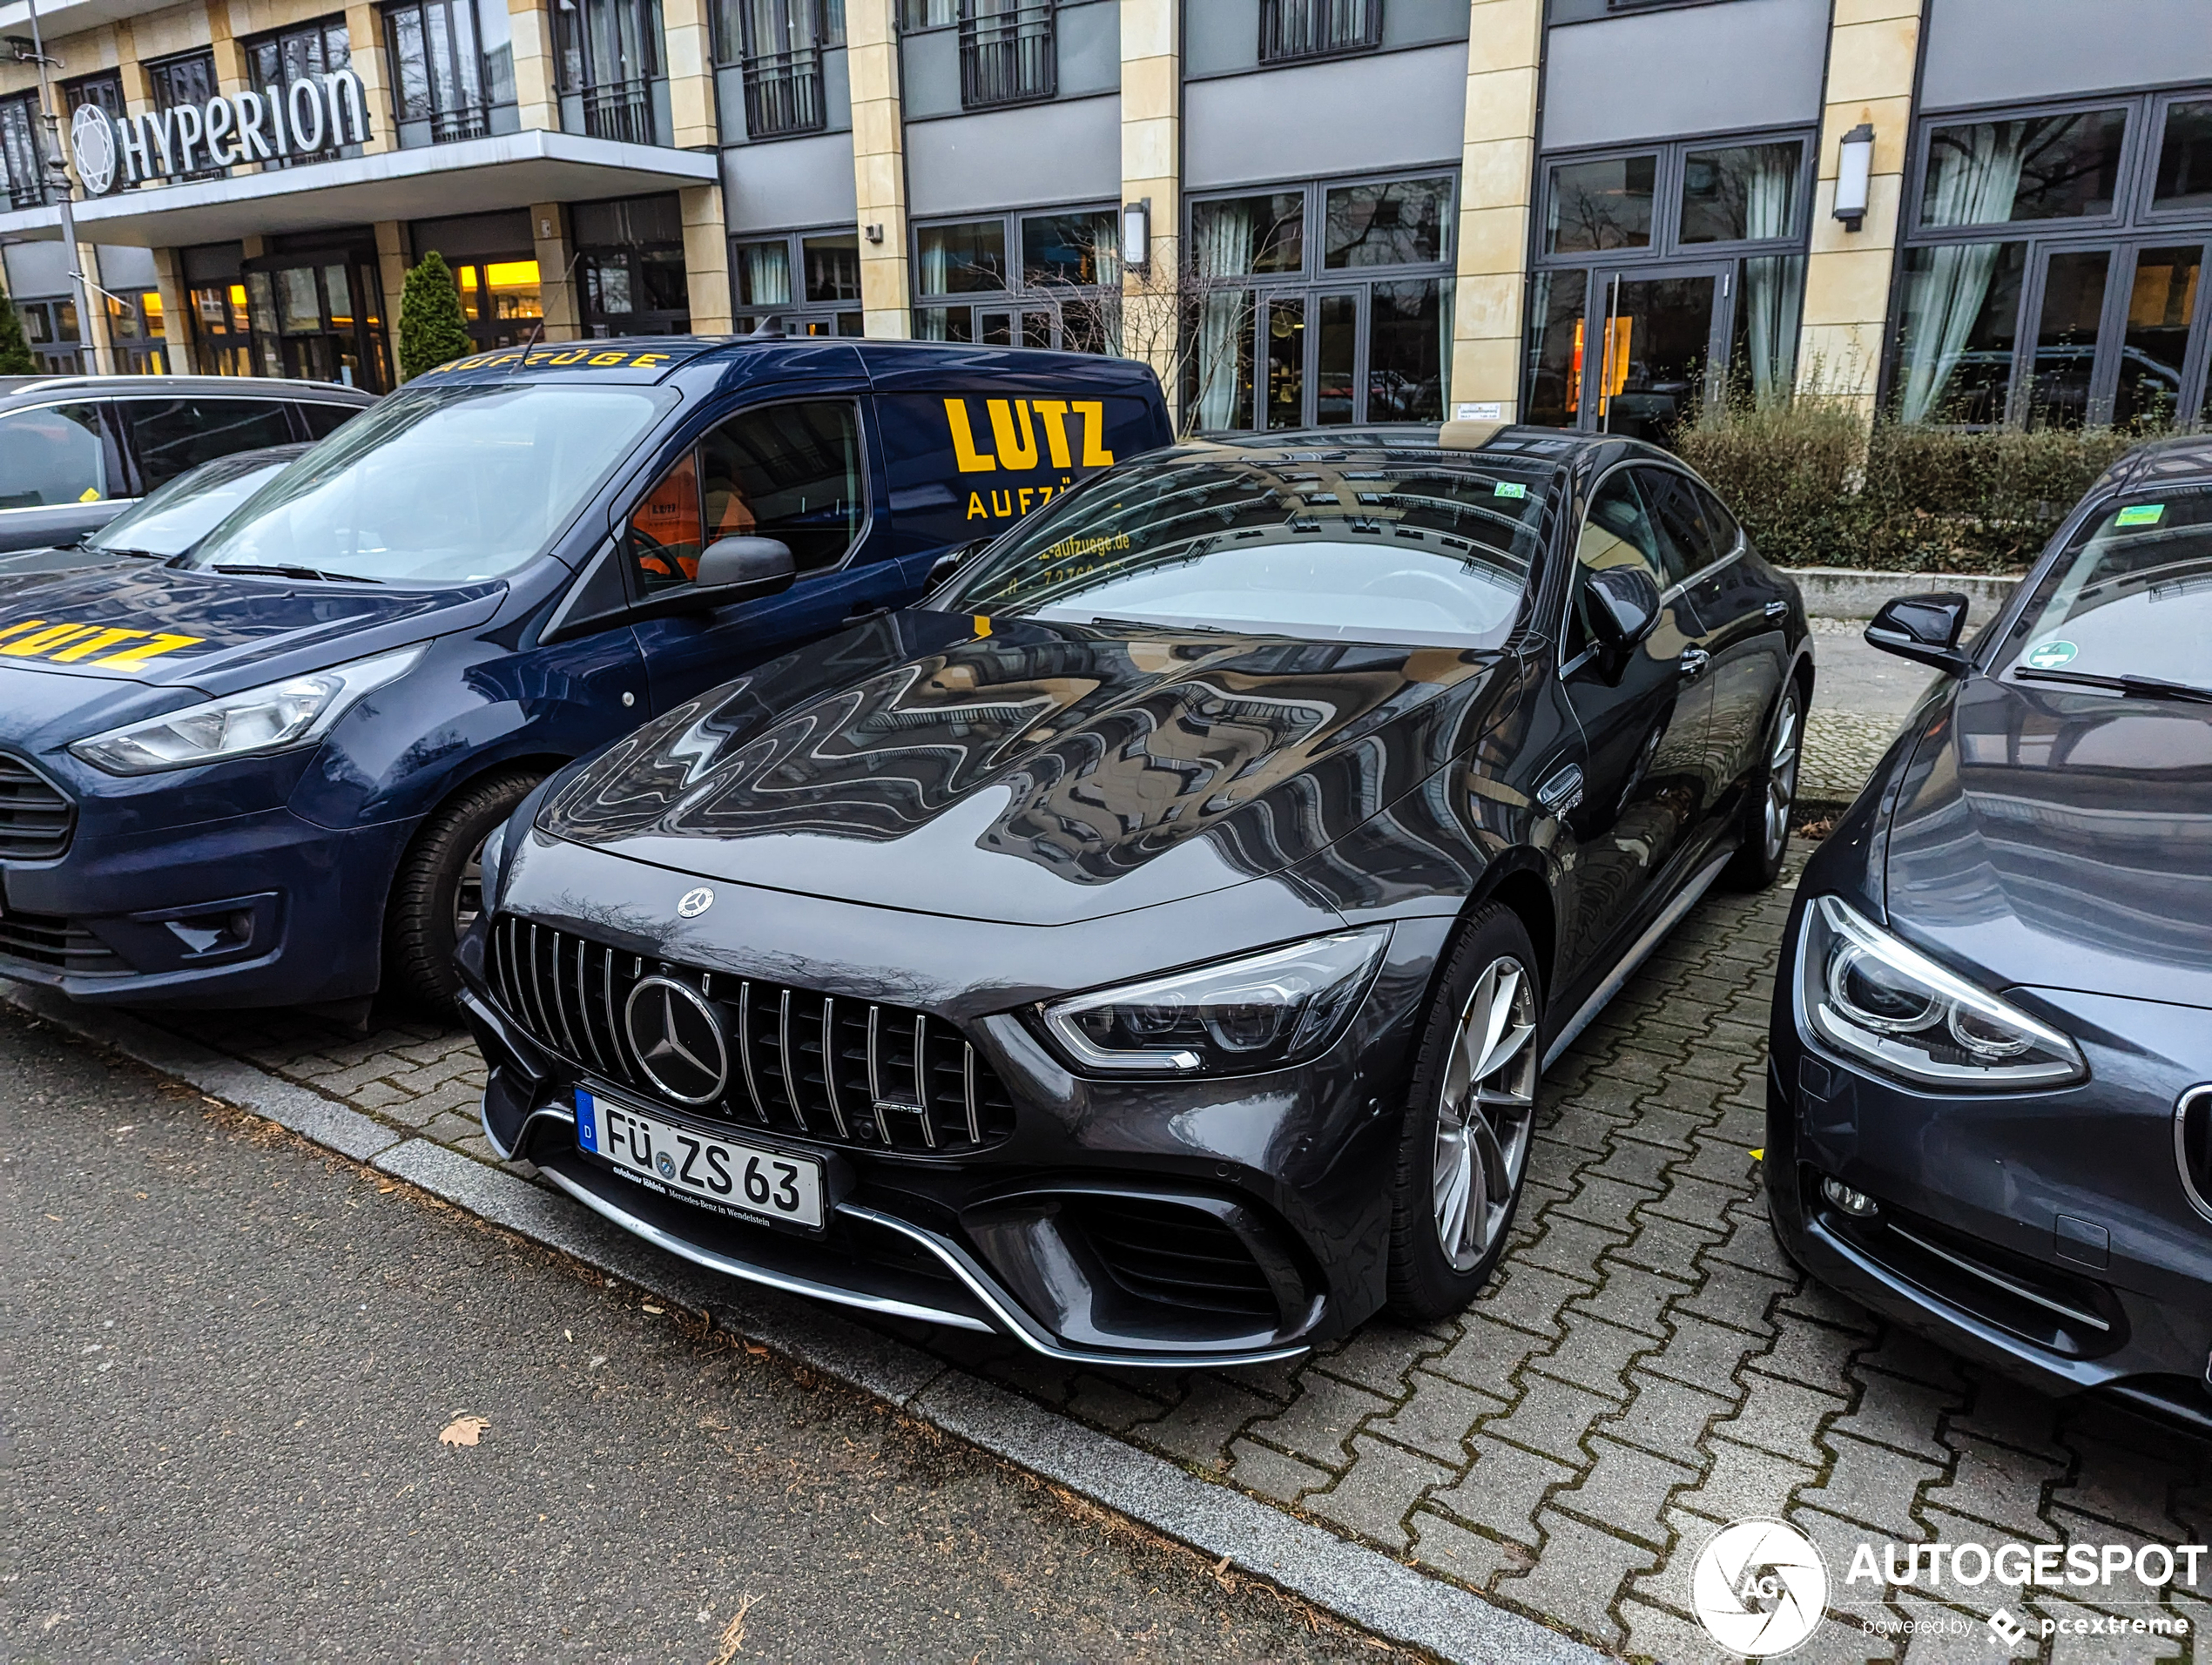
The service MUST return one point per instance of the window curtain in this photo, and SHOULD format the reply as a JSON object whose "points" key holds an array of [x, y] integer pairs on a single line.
{"points": [[1972, 182], [767, 275], [1225, 250], [1773, 285], [1106, 265]]}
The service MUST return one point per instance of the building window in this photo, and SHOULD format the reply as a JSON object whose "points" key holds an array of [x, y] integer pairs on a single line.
{"points": [[1050, 279], [301, 53], [1320, 305], [225, 328], [808, 283], [453, 70], [1009, 52], [2054, 270], [1666, 277], [104, 91], [1290, 30], [779, 44], [501, 301], [23, 166], [630, 256], [610, 58], [177, 82]]}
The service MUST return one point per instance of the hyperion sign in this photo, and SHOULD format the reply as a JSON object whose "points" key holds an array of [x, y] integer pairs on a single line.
{"points": [[308, 115]]}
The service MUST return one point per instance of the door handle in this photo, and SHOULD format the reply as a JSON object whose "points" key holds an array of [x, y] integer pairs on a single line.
{"points": [[1776, 608], [1693, 663], [1563, 791]]}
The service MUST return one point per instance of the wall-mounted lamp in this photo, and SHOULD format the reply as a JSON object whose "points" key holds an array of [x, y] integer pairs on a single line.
{"points": [[874, 234], [1136, 234], [1854, 166]]}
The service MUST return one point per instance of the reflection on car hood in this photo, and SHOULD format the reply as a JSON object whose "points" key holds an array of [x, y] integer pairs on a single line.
{"points": [[146, 622], [2061, 838], [1032, 773]]}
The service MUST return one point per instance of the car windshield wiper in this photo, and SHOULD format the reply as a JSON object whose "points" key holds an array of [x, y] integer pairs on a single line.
{"points": [[1108, 622], [113, 549], [2137, 687], [299, 572]]}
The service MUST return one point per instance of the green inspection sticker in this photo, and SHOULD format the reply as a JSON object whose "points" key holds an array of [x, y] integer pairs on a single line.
{"points": [[2049, 656], [1510, 489], [2141, 515]]}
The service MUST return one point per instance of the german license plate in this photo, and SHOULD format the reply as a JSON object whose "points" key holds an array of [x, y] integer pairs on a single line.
{"points": [[727, 1175]]}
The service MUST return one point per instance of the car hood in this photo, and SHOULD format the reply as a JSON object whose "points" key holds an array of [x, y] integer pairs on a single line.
{"points": [[159, 626], [1016, 771], [2060, 841]]}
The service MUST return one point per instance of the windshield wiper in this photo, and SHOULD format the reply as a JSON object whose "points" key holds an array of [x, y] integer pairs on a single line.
{"points": [[299, 572], [112, 548], [1107, 621], [2135, 687]]}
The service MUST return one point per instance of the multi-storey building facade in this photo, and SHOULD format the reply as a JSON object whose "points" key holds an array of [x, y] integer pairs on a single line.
{"points": [[1588, 212]]}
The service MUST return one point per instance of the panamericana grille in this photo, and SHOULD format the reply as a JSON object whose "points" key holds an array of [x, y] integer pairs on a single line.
{"points": [[1178, 1257], [848, 1071], [36, 816], [45, 940]]}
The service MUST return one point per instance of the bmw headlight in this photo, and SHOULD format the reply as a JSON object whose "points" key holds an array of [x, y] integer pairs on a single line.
{"points": [[296, 711], [1261, 1011], [1868, 995]]}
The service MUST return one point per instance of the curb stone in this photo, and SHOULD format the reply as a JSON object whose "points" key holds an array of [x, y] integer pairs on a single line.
{"points": [[1358, 1585]]}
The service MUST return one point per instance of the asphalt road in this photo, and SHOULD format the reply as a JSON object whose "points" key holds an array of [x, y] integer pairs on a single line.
{"points": [[227, 1364]]}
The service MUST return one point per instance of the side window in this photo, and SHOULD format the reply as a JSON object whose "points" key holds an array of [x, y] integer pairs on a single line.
{"points": [[791, 472], [56, 455], [1686, 543], [323, 421], [1718, 521], [171, 435], [1617, 532]]}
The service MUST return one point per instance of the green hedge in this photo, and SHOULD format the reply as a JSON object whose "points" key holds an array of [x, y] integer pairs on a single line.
{"points": [[1814, 491]]}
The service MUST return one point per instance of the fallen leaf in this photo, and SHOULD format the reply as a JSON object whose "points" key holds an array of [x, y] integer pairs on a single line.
{"points": [[464, 1431], [655, 1311], [733, 1633]]}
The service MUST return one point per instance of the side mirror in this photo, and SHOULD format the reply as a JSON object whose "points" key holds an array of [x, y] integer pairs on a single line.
{"points": [[951, 561], [1924, 629], [742, 569], [1621, 605]]}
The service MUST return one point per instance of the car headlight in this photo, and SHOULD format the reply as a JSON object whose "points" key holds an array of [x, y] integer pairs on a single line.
{"points": [[1261, 1011], [296, 711], [1867, 994]]}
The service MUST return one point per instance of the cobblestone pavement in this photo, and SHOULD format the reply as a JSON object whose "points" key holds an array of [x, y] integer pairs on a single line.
{"points": [[1646, 1367]]}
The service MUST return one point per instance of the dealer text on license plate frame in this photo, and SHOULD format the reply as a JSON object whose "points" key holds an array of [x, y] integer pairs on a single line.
{"points": [[755, 1181]]}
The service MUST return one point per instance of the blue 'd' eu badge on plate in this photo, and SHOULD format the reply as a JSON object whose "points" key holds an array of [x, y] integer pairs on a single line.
{"points": [[587, 1125]]}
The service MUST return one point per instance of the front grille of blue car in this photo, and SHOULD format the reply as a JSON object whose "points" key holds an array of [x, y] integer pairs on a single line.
{"points": [[36, 816]]}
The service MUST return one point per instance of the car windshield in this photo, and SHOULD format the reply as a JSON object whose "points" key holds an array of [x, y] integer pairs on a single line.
{"points": [[171, 519], [2130, 600], [443, 486], [1431, 550]]}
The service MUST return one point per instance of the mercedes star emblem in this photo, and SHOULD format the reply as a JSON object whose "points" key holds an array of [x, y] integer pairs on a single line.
{"points": [[694, 903], [677, 1041]]}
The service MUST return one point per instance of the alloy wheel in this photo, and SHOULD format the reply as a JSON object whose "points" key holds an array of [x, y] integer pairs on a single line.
{"points": [[1782, 774], [1484, 1120], [469, 894]]}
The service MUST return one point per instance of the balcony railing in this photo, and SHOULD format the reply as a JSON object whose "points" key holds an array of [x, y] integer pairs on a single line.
{"points": [[1008, 57], [1297, 29], [621, 110], [783, 93]]}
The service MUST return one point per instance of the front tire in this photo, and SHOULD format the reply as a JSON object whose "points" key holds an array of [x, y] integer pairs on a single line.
{"points": [[1769, 797], [437, 891], [1463, 1154]]}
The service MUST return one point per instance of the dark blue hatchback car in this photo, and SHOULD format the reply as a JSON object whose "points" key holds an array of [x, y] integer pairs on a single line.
{"points": [[261, 773]]}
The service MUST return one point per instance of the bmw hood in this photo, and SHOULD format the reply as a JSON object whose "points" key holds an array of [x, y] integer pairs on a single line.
{"points": [[159, 626], [2061, 840], [1017, 771]]}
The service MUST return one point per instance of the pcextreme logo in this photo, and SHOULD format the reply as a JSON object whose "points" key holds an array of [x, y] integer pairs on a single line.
{"points": [[65, 643], [1026, 434]]}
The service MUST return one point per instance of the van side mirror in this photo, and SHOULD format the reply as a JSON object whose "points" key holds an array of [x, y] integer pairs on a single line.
{"points": [[739, 569], [1924, 629], [951, 561], [1621, 605]]}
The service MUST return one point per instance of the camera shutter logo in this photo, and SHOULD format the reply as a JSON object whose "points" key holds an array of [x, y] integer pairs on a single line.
{"points": [[676, 1040], [91, 142], [1759, 1588]]}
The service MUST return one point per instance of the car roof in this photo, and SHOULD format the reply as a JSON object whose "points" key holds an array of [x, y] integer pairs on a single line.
{"points": [[1494, 441], [2182, 459], [641, 359], [24, 389]]}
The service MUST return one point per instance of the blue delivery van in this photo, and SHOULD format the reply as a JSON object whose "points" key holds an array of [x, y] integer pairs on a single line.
{"points": [[262, 772]]}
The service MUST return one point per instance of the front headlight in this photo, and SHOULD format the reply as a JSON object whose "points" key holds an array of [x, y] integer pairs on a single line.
{"points": [[1260, 1012], [1867, 994], [295, 711]]}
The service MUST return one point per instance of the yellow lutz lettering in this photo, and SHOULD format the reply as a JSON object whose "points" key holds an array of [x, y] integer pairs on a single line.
{"points": [[35, 638], [1052, 416], [152, 647], [576, 357], [975, 510], [1016, 454], [645, 358], [52, 636], [611, 357], [87, 646], [18, 629], [1096, 455], [964, 452]]}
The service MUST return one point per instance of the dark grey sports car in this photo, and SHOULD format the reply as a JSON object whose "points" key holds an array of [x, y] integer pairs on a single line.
{"points": [[1150, 946], [1990, 1108]]}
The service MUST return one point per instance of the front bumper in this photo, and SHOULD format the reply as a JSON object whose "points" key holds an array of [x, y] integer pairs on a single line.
{"points": [[1163, 1224], [264, 908], [2049, 1236]]}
